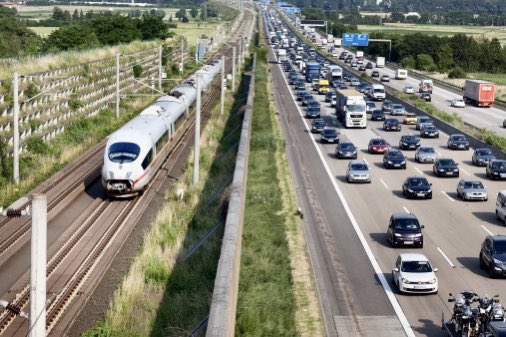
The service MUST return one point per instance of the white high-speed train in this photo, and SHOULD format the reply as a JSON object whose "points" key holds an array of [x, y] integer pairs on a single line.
{"points": [[135, 152]]}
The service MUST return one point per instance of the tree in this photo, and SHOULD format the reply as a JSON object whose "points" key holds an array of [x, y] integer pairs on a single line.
{"points": [[75, 15], [115, 29], [181, 13], [194, 12], [185, 19], [425, 62], [397, 17], [408, 62], [444, 57], [71, 37], [57, 14], [153, 27], [67, 16]]}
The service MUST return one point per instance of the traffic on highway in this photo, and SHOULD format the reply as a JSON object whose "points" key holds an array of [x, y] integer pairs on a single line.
{"points": [[432, 208]]}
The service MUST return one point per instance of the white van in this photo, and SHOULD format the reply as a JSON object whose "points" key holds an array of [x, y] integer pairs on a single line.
{"points": [[500, 206]]}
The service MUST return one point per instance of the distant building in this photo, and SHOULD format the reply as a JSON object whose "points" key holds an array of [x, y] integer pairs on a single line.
{"points": [[412, 14]]}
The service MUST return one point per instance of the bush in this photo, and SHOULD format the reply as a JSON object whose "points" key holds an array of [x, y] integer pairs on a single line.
{"points": [[37, 146], [425, 62], [137, 69], [32, 91], [408, 62], [457, 72], [75, 103]]}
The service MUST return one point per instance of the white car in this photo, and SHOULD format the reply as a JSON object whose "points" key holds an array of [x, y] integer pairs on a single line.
{"points": [[413, 273], [409, 90], [333, 101], [458, 103]]}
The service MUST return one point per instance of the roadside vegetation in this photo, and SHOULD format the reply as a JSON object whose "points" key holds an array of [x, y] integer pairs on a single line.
{"points": [[276, 294]]}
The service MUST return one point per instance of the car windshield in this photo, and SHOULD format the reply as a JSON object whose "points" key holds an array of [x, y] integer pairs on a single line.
{"points": [[407, 225], [378, 90], [359, 167], [500, 247], [356, 108], [330, 132], [424, 120], [427, 150], [499, 165], [396, 155], [416, 267], [347, 146], [393, 121], [378, 142], [123, 152], [418, 182], [430, 128], [446, 162], [459, 138], [484, 152], [409, 138], [397, 106], [473, 184]]}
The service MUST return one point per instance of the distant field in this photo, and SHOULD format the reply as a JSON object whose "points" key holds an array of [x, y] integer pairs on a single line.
{"points": [[45, 12], [43, 31], [192, 30], [440, 30]]}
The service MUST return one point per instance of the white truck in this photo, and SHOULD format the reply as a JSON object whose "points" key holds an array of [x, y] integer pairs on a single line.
{"points": [[425, 86], [334, 72], [337, 42], [351, 108], [380, 62], [360, 57], [401, 74], [281, 55], [377, 92], [330, 38]]}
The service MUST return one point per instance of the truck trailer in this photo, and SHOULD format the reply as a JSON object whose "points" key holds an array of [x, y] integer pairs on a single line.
{"points": [[334, 73], [380, 62], [312, 71], [479, 93], [351, 108], [281, 55]]}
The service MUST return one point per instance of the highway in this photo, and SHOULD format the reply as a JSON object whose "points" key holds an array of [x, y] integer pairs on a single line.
{"points": [[453, 232]]}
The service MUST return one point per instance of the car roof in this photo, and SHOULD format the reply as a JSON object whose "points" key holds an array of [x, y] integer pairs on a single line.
{"points": [[404, 215], [413, 257], [416, 177], [497, 237], [358, 161], [499, 327]]}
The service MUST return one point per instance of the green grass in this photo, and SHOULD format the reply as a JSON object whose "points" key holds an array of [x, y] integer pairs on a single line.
{"points": [[498, 79], [43, 31], [266, 304]]}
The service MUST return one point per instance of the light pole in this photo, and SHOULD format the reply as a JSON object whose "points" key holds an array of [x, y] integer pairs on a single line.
{"points": [[223, 87], [196, 165], [16, 128], [117, 85]]}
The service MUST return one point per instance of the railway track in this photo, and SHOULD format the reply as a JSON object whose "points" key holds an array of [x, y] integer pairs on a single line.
{"points": [[82, 250]]}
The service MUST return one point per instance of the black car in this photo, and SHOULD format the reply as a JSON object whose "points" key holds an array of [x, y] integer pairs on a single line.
{"points": [[394, 158], [391, 124], [300, 85], [417, 187], [329, 135], [496, 329], [313, 111], [307, 99], [346, 150], [375, 73], [493, 255], [377, 115], [405, 229], [368, 65], [361, 68], [429, 131], [496, 169], [318, 125], [293, 80], [313, 103], [425, 96], [301, 94], [328, 95], [458, 141], [409, 142], [445, 167]]}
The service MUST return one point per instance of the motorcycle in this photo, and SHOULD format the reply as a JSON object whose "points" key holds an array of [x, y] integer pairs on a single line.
{"points": [[486, 304], [464, 316]]}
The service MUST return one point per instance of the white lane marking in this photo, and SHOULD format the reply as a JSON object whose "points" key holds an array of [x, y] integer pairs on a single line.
{"points": [[384, 184], [465, 171], [374, 262], [418, 170], [365, 160], [405, 209], [487, 230], [446, 257], [446, 194]]}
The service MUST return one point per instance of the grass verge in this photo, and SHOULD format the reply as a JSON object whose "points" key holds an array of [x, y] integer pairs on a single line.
{"points": [[163, 295]]}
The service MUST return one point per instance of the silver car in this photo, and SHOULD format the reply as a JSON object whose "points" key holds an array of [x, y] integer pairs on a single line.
{"points": [[482, 156], [398, 110], [422, 120], [469, 189], [425, 154], [358, 171]]}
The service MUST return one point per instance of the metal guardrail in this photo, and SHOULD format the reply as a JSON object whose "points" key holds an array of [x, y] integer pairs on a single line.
{"points": [[226, 285]]}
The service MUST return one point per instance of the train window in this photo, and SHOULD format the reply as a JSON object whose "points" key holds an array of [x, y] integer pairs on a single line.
{"points": [[161, 142], [147, 160], [123, 152]]}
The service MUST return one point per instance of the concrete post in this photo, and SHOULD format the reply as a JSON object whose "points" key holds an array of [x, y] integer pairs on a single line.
{"points": [[15, 94], [182, 57], [117, 85], [223, 87], [160, 68], [233, 69], [38, 267], [196, 165]]}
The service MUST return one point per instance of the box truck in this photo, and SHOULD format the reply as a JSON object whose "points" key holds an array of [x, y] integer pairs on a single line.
{"points": [[281, 55], [479, 93], [351, 108], [380, 62], [360, 57], [401, 74]]}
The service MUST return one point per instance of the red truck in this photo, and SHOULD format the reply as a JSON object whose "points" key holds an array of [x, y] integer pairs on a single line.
{"points": [[479, 93]]}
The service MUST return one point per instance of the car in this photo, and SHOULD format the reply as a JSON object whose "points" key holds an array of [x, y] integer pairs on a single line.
{"points": [[458, 103], [377, 115], [504, 123], [410, 118], [364, 88], [354, 64], [425, 96], [358, 171], [408, 90], [329, 94], [377, 145], [398, 110], [386, 106], [375, 73], [496, 169], [425, 154], [496, 328], [413, 273], [385, 78], [333, 101], [493, 255], [329, 135], [361, 68], [458, 141], [369, 65], [318, 125], [445, 167], [346, 150], [417, 187], [342, 56], [300, 85], [394, 158], [409, 142], [423, 120], [313, 112], [307, 99], [429, 131], [301, 94], [354, 82], [404, 229], [481, 156], [293, 80], [470, 189], [369, 106], [348, 60], [391, 124]]}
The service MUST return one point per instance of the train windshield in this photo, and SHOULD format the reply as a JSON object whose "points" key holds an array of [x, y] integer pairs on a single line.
{"points": [[124, 152]]}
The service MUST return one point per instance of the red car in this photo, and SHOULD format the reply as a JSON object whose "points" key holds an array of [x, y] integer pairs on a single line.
{"points": [[377, 145]]}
